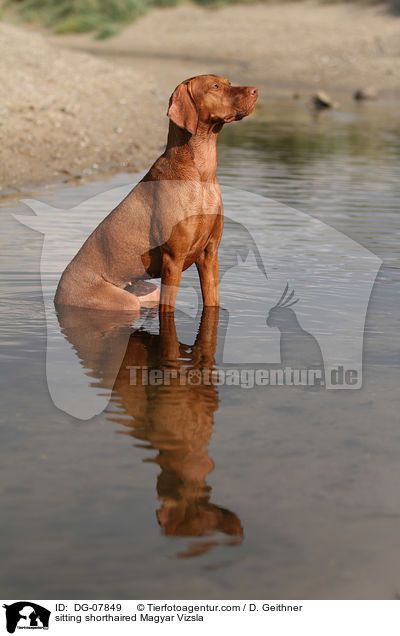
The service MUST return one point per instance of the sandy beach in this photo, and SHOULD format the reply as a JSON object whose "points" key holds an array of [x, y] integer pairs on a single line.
{"points": [[73, 106]]}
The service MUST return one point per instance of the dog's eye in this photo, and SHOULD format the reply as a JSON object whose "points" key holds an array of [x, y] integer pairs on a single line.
{"points": [[215, 86]]}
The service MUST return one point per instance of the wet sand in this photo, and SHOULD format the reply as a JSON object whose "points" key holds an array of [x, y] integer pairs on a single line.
{"points": [[73, 106]]}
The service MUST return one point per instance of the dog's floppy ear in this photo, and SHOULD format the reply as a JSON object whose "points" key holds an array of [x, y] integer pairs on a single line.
{"points": [[182, 109]]}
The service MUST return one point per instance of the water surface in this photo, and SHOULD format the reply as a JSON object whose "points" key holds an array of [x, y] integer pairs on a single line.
{"points": [[214, 491]]}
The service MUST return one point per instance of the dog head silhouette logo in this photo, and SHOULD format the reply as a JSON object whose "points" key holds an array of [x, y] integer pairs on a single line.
{"points": [[25, 614], [324, 330]]}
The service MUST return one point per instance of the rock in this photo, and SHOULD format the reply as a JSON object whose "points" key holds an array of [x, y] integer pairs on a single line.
{"points": [[365, 93], [321, 99]]}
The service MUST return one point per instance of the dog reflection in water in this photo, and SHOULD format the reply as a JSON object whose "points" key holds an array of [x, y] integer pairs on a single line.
{"points": [[175, 419]]}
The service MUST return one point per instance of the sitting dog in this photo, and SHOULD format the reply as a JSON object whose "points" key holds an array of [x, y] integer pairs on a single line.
{"points": [[171, 219]]}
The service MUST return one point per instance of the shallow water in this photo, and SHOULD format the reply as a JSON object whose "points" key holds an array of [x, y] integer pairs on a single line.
{"points": [[205, 491]]}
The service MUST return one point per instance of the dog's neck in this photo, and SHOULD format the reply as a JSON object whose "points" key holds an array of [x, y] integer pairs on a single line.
{"points": [[196, 153]]}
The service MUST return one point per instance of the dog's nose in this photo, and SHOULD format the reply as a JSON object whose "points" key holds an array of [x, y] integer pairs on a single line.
{"points": [[253, 91]]}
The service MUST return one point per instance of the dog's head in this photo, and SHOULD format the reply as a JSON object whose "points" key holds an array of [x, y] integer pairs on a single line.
{"points": [[210, 100]]}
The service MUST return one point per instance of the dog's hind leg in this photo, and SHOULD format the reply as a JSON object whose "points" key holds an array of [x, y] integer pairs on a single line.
{"points": [[96, 293]]}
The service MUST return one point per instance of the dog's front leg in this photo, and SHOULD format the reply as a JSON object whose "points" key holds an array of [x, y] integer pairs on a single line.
{"points": [[171, 273], [207, 266]]}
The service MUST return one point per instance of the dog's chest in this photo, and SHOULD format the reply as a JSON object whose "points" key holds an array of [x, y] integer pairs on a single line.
{"points": [[211, 199]]}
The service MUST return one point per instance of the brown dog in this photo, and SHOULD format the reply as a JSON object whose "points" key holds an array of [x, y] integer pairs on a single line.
{"points": [[171, 219]]}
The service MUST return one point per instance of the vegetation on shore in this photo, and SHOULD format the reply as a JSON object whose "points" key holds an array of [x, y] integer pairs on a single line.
{"points": [[78, 16], [105, 17]]}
